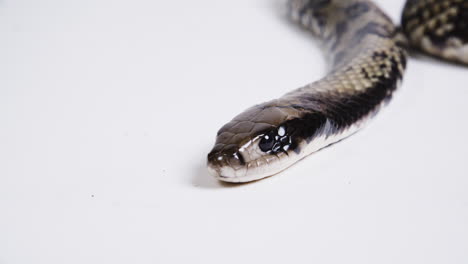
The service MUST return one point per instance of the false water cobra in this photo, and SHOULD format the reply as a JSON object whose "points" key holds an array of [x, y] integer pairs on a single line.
{"points": [[367, 55]]}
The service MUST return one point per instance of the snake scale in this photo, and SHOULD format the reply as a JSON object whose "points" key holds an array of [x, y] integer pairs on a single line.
{"points": [[367, 55]]}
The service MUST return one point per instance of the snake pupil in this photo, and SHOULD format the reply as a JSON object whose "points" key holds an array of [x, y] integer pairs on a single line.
{"points": [[267, 143]]}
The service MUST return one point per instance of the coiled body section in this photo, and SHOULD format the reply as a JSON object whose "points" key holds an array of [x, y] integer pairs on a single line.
{"points": [[438, 28]]}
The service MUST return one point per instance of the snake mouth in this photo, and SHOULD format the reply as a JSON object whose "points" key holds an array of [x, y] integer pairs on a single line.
{"points": [[229, 170], [220, 173], [223, 173], [228, 174]]}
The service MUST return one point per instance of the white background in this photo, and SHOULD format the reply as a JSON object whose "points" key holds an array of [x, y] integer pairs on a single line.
{"points": [[109, 107]]}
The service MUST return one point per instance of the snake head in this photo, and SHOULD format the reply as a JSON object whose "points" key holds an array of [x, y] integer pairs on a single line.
{"points": [[260, 142]]}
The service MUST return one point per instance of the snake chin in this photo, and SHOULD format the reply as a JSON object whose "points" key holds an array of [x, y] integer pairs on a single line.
{"points": [[228, 174]]}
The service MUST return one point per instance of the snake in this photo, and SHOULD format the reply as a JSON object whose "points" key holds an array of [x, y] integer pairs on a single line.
{"points": [[366, 55]]}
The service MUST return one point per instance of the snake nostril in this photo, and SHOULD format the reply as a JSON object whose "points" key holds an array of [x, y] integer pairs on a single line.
{"points": [[237, 158], [214, 158], [233, 157]]}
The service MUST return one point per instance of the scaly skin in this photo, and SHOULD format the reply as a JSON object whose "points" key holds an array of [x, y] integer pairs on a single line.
{"points": [[439, 28], [367, 55]]}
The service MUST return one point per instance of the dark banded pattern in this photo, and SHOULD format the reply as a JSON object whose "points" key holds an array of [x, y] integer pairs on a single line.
{"points": [[367, 62], [438, 27]]}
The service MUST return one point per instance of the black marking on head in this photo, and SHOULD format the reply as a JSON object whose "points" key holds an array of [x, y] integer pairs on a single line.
{"points": [[305, 128], [276, 140], [357, 9]]}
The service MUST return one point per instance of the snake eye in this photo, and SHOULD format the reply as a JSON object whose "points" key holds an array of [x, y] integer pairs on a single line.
{"points": [[275, 141], [267, 142]]}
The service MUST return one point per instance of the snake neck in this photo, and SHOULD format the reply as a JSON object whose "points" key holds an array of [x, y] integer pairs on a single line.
{"points": [[343, 27]]}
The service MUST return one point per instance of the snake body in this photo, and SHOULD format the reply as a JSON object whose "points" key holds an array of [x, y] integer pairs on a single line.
{"points": [[367, 55]]}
